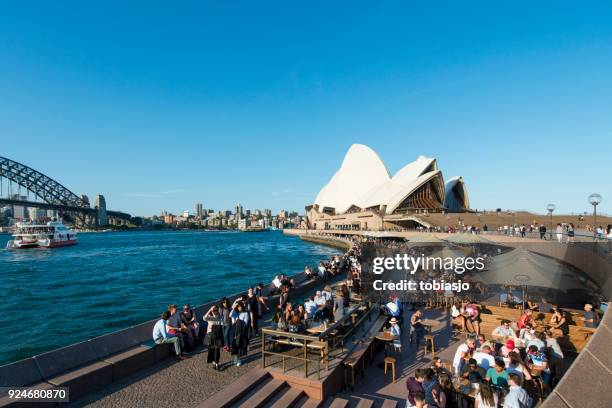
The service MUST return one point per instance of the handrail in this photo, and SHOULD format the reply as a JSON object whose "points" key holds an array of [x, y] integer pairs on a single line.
{"points": [[291, 337]]}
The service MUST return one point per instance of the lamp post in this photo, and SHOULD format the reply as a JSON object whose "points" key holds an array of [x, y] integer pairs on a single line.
{"points": [[595, 199], [550, 208]]}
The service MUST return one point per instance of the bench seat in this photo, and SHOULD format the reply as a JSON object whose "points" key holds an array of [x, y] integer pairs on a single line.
{"points": [[83, 380], [130, 361]]}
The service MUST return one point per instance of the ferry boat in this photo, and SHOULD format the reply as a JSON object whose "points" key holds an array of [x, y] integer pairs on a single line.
{"points": [[51, 235]]}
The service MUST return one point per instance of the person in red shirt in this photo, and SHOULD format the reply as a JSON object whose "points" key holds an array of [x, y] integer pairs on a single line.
{"points": [[525, 319]]}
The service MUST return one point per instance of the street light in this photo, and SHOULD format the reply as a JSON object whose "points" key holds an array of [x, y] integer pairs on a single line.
{"points": [[595, 199], [551, 208]]}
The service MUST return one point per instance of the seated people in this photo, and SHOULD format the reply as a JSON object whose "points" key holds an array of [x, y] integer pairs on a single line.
{"points": [[394, 329], [439, 367], [553, 345], [506, 349], [517, 366], [310, 274], [161, 335], [485, 357], [525, 319], [486, 396], [497, 375], [319, 299], [295, 323], [457, 315], [536, 340], [537, 359], [189, 320], [175, 327], [558, 322], [472, 315], [472, 367], [482, 341], [503, 331]]}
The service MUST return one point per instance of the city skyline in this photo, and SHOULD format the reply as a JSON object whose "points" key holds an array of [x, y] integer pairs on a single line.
{"points": [[258, 103]]}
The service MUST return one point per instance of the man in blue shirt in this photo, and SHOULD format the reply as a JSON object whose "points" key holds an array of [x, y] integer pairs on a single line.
{"points": [[161, 336], [517, 396]]}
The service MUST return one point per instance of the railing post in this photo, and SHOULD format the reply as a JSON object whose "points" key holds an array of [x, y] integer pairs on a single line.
{"points": [[306, 358], [263, 348]]}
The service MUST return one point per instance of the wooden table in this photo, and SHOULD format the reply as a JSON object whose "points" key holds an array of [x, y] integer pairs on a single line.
{"points": [[316, 329]]}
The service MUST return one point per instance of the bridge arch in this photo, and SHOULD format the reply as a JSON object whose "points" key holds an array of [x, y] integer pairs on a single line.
{"points": [[42, 186]]}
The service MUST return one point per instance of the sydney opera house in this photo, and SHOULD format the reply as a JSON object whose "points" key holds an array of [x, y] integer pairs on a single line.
{"points": [[363, 195]]}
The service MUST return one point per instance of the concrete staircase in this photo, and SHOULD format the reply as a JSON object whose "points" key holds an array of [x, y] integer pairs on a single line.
{"points": [[257, 389]]}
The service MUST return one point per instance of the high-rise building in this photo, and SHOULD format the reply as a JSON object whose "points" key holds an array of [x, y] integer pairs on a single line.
{"points": [[239, 211], [100, 205], [199, 210]]}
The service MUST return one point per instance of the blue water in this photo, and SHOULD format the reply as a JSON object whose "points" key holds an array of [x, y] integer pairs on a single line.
{"points": [[109, 281]]}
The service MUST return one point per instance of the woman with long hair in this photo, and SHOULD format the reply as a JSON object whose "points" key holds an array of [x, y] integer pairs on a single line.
{"points": [[214, 336], [486, 397], [558, 323], [240, 325]]}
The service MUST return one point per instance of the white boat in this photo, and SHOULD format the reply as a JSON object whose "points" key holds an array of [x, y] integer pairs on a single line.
{"points": [[50, 235]]}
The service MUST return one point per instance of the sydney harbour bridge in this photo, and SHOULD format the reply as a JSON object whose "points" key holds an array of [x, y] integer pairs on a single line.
{"points": [[23, 187]]}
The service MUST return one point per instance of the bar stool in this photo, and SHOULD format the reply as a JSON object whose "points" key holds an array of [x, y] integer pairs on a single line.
{"points": [[429, 339], [391, 361]]}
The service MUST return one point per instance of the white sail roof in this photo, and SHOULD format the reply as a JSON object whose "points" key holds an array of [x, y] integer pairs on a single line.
{"points": [[361, 171], [364, 181]]}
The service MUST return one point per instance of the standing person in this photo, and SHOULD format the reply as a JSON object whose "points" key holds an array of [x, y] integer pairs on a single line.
{"points": [[570, 232], [486, 397], [225, 311], [252, 308], [416, 327], [517, 396], [413, 385], [240, 327], [542, 231], [464, 351], [161, 335], [589, 316], [339, 307], [284, 297], [214, 336], [431, 389], [559, 233]]}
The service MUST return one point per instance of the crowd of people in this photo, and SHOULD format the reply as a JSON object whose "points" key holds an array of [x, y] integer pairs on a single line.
{"points": [[231, 327]]}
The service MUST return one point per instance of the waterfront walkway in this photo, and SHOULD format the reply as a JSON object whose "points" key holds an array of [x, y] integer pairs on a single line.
{"points": [[172, 383]]}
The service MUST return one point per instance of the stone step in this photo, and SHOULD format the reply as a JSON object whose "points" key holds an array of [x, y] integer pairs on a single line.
{"points": [[264, 394], [338, 402], [236, 390], [289, 399], [307, 402]]}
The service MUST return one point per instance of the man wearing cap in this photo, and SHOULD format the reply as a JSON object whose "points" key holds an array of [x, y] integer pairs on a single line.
{"points": [[395, 331]]}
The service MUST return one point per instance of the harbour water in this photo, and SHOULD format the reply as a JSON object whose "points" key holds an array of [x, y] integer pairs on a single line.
{"points": [[109, 281]]}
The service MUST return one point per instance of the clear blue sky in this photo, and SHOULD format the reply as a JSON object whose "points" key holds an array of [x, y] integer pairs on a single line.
{"points": [[161, 104]]}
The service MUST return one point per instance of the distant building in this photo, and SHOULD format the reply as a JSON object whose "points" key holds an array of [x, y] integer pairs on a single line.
{"points": [[186, 214], [100, 205], [199, 210], [36, 214]]}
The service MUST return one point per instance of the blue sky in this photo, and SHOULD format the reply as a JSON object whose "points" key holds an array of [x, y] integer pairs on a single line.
{"points": [[158, 105]]}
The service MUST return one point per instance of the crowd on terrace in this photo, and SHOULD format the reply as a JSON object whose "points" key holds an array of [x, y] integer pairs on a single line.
{"points": [[230, 326]]}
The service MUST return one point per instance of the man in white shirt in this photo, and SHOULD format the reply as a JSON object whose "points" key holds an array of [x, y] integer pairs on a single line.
{"points": [[484, 358], [461, 353], [311, 307], [319, 299], [161, 336]]}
